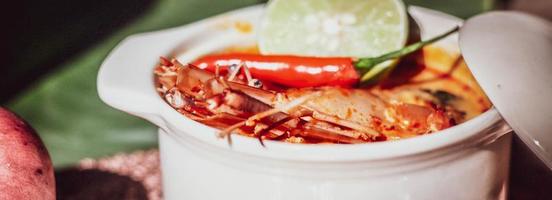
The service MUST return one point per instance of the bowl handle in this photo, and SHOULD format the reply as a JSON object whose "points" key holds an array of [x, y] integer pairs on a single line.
{"points": [[125, 78]]}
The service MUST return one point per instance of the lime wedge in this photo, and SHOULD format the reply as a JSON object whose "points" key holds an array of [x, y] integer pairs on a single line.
{"points": [[354, 28]]}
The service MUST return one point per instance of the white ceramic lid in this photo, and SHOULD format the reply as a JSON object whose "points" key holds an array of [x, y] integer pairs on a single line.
{"points": [[510, 55]]}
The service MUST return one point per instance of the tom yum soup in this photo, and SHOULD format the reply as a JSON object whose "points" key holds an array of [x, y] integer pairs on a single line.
{"points": [[428, 91], [232, 91]]}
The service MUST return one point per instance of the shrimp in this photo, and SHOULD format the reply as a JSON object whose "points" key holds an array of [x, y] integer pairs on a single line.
{"points": [[237, 102]]}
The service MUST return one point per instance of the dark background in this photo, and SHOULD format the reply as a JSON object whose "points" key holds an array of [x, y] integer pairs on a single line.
{"points": [[40, 37], [43, 34]]}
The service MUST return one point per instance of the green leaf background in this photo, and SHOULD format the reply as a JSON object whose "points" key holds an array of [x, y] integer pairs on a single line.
{"points": [[64, 106]]}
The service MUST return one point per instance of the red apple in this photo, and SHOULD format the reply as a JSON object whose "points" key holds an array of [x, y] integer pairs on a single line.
{"points": [[26, 171]]}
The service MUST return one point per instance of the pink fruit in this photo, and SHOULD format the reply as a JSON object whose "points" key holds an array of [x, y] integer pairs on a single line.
{"points": [[26, 171]]}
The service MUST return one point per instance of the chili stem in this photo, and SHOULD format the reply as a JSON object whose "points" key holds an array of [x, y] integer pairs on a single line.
{"points": [[366, 64]]}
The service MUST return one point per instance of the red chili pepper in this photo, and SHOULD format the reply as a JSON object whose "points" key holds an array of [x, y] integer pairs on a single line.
{"points": [[293, 71], [297, 71]]}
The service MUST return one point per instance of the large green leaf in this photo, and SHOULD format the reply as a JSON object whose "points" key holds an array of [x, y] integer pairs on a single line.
{"points": [[65, 108]]}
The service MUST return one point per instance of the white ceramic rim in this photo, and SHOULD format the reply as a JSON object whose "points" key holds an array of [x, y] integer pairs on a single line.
{"points": [[145, 102]]}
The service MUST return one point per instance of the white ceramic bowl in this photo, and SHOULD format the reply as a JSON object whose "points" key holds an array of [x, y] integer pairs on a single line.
{"points": [[468, 161]]}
